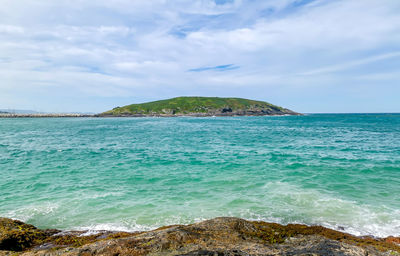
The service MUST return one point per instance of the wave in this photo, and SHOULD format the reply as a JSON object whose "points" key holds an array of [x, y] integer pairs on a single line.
{"points": [[27, 213], [309, 206], [279, 202]]}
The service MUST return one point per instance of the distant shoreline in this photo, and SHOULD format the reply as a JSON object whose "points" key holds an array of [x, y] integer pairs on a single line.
{"points": [[43, 115]]}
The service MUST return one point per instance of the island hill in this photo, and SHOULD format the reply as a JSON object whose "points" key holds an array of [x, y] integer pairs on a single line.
{"points": [[199, 106]]}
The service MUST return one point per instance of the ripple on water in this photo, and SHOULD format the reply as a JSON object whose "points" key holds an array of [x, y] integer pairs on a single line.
{"points": [[138, 174]]}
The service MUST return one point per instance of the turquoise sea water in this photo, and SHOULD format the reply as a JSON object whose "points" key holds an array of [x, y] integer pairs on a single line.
{"points": [[341, 171]]}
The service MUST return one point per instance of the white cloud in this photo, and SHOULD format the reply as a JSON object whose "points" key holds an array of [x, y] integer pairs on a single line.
{"points": [[121, 48], [351, 64], [9, 29]]}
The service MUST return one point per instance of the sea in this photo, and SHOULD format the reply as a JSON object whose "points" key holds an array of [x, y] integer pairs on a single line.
{"points": [[340, 171]]}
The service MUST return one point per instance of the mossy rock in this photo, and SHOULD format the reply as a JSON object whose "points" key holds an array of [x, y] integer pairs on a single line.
{"points": [[17, 236], [219, 236]]}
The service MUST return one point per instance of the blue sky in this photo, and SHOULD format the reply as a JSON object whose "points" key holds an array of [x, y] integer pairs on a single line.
{"points": [[307, 55]]}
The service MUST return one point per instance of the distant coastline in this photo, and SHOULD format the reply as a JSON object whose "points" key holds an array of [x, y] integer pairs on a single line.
{"points": [[15, 115]]}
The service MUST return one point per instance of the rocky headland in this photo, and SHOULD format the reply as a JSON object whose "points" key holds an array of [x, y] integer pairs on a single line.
{"points": [[225, 236]]}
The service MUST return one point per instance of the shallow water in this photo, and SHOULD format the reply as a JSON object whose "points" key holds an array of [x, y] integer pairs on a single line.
{"points": [[340, 171]]}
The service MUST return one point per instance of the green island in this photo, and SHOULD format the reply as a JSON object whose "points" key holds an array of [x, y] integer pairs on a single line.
{"points": [[200, 106]]}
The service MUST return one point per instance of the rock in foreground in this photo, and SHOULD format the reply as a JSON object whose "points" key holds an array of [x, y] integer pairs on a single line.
{"points": [[220, 236]]}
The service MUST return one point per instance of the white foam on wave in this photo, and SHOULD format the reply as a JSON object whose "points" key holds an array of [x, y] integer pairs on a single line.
{"points": [[28, 212], [309, 206], [133, 227], [280, 202], [103, 195]]}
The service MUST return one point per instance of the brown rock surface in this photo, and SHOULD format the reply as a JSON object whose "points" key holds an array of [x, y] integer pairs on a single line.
{"points": [[220, 237], [16, 235]]}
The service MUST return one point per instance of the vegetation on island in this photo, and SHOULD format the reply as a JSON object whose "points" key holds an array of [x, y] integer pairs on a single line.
{"points": [[200, 106]]}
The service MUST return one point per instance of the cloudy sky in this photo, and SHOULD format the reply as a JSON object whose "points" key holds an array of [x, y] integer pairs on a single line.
{"points": [[307, 55]]}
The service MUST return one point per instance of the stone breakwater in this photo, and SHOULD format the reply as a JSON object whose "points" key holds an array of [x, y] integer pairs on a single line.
{"points": [[224, 236], [11, 115]]}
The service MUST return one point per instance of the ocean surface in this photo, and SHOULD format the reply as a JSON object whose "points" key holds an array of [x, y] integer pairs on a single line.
{"points": [[337, 170]]}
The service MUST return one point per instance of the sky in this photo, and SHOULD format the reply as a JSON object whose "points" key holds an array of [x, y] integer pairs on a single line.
{"points": [[310, 56]]}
